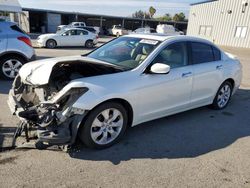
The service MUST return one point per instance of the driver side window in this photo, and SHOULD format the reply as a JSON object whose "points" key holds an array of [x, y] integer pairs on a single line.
{"points": [[174, 55]]}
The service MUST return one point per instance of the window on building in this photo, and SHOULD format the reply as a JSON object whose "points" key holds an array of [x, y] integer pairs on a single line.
{"points": [[241, 32], [205, 30]]}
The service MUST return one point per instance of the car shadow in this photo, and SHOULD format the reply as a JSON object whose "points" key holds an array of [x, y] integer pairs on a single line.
{"points": [[5, 86], [185, 135]]}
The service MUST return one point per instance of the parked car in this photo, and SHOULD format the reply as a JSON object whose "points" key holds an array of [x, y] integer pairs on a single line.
{"points": [[91, 29], [68, 37], [144, 30], [73, 24], [168, 30], [128, 81], [117, 31], [15, 49]]}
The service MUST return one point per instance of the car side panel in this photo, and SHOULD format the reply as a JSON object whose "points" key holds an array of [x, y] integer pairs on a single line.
{"points": [[19, 46], [3, 41], [207, 79]]}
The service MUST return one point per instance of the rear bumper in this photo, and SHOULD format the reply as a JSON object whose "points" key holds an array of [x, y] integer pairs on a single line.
{"points": [[95, 41]]}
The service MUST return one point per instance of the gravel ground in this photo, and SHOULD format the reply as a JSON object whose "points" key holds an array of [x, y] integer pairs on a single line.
{"points": [[198, 148]]}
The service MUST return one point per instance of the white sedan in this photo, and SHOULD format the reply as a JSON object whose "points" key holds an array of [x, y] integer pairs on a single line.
{"points": [[68, 37], [128, 81]]}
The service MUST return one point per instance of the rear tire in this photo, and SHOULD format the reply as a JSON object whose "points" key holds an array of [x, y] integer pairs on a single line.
{"points": [[10, 66], [89, 44], [104, 126], [51, 44], [223, 96]]}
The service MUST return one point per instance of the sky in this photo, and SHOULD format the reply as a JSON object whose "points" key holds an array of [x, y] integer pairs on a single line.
{"points": [[111, 7]]}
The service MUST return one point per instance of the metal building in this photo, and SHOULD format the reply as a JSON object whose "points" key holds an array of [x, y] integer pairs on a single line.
{"points": [[225, 22]]}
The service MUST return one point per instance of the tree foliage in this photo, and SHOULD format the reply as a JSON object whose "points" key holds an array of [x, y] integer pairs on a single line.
{"points": [[179, 17], [166, 17], [142, 15], [152, 11]]}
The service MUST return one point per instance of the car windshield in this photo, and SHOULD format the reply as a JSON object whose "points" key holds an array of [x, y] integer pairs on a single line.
{"points": [[60, 32], [126, 52]]}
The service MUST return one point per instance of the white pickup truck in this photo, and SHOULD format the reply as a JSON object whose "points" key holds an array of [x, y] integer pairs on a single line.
{"points": [[117, 31], [73, 24]]}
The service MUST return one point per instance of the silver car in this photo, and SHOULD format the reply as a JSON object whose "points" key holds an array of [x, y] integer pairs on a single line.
{"points": [[126, 82], [15, 49]]}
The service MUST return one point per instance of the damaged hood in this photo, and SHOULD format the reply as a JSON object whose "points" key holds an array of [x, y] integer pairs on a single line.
{"points": [[38, 72]]}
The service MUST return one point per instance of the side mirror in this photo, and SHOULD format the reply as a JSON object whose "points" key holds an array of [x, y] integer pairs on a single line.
{"points": [[160, 68]]}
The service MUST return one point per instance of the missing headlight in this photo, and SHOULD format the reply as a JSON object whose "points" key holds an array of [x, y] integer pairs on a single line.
{"points": [[71, 96]]}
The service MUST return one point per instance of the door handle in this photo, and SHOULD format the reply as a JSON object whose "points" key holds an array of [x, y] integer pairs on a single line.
{"points": [[186, 74], [218, 67]]}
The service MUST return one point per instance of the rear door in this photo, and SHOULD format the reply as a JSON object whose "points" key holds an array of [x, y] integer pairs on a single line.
{"points": [[207, 70], [82, 37]]}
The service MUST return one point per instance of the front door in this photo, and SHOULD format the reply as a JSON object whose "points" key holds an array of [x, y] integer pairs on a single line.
{"points": [[164, 94]]}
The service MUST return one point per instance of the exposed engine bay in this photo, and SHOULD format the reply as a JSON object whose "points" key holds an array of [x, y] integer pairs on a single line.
{"points": [[47, 115]]}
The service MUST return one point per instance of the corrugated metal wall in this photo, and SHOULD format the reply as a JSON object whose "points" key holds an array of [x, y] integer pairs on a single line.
{"points": [[224, 16]]}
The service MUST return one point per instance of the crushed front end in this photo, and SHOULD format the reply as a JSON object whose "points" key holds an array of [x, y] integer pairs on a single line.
{"points": [[47, 116]]}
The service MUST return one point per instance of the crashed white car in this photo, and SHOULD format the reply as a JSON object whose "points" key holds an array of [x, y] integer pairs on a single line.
{"points": [[128, 81]]}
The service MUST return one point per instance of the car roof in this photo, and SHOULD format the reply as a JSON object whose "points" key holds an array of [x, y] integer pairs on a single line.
{"points": [[6, 23], [74, 28], [164, 37]]}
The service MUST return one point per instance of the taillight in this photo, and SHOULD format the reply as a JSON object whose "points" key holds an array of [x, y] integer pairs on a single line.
{"points": [[97, 37], [26, 40]]}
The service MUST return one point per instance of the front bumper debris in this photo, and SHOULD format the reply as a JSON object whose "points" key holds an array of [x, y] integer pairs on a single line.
{"points": [[43, 124]]}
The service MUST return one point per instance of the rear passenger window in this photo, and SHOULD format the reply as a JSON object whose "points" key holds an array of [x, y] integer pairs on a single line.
{"points": [[16, 28], [82, 32], [201, 53], [217, 54]]}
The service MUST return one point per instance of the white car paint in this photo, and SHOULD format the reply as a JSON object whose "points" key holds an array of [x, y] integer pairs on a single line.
{"points": [[168, 30], [151, 96], [66, 40], [117, 30]]}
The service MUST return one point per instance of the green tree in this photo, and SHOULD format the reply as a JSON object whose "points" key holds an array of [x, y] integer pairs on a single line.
{"points": [[142, 15], [152, 11], [166, 17], [179, 17]]}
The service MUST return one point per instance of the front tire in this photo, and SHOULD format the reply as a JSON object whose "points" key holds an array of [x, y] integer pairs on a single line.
{"points": [[51, 44], [223, 96], [10, 66], [104, 126]]}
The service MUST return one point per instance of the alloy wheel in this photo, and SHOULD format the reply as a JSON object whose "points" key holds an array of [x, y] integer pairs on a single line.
{"points": [[11, 67], [107, 126], [224, 96]]}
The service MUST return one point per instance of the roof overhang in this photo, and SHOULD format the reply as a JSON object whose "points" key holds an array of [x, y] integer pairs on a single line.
{"points": [[202, 2], [10, 6]]}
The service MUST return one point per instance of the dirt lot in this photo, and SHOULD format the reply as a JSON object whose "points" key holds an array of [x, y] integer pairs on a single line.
{"points": [[198, 148]]}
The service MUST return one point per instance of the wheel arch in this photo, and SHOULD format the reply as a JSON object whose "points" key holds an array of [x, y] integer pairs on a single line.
{"points": [[124, 103], [231, 81], [16, 54], [51, 39]]}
